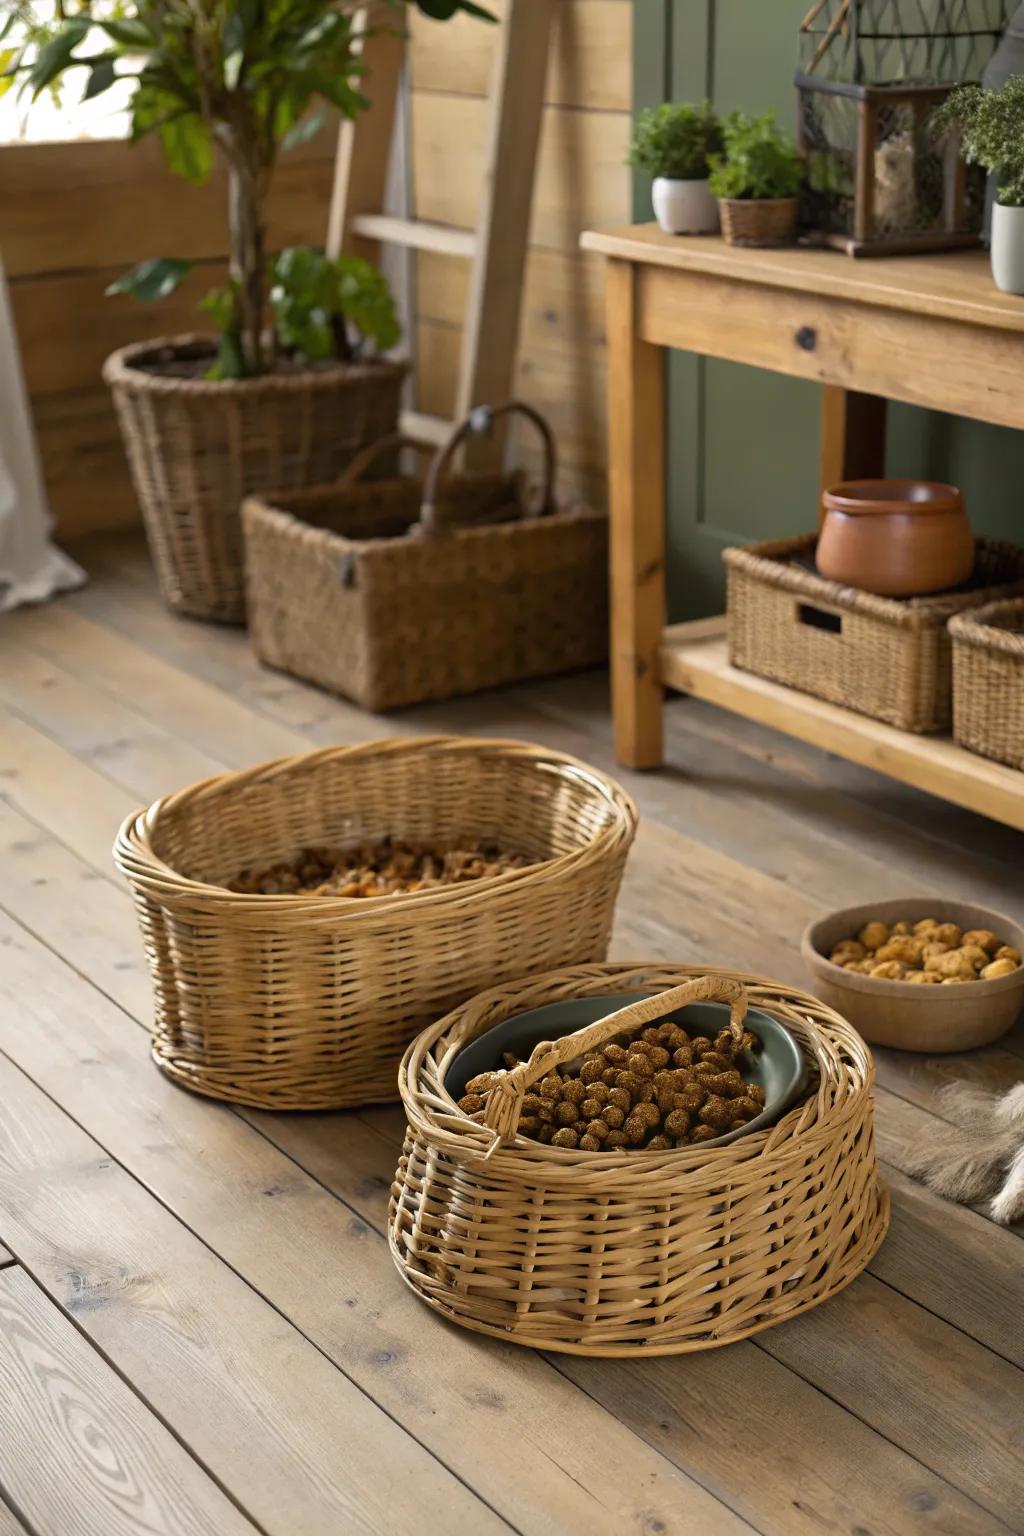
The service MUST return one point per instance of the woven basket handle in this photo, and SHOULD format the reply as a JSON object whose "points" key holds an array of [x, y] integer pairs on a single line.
{"points": [[505, 1100], [358, 466], [478, 424]]}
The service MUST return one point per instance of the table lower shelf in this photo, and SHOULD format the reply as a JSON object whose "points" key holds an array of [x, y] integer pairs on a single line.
{"points": [[694, 660]]}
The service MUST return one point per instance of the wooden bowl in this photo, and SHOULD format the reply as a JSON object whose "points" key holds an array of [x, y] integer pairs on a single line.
{"points": [[902, 1013]]}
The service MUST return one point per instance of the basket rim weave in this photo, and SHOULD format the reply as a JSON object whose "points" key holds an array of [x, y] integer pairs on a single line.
{"points": [[134, 855], [767, 562], [435, 1117], [980, 627], [121, 368]]}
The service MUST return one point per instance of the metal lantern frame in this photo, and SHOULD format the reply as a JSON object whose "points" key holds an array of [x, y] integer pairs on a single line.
{"points": [[892, 62]]}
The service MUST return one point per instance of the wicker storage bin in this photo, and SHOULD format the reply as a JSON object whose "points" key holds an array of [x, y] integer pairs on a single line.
{"points": [[635, 1252], [988, 681], [197, 446], [886, 657], [390, 592], [764, 222], [307, 1002]]}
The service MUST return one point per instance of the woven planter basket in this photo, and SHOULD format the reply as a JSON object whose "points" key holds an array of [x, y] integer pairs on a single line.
{"points": [[197, 446], [307, 1002], [635, 1252], [392, 592], [765, 221], [988, 681], [886, 657]]}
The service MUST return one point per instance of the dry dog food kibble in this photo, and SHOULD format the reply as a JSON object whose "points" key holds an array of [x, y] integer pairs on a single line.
{"points": [[660, 1090], [927, 953], [387, 868]]}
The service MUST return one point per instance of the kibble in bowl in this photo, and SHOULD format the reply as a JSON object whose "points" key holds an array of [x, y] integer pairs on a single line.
{"points": [[687, 1079], [920, 973]]}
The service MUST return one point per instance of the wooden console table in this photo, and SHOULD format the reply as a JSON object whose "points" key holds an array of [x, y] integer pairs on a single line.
{"points": [[930, 330]]}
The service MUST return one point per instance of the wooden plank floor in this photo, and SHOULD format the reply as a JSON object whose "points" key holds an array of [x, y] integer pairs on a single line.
{"points": [[200, 1328]]}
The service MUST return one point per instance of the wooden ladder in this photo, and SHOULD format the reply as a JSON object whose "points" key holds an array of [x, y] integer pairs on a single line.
{"points": [[497, 247]]}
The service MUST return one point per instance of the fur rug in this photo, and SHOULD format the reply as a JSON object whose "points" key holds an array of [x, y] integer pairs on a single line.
{"points": [[980, 1154]]}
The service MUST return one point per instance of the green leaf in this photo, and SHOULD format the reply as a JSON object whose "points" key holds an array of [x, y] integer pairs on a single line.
{"points": [[443, 10], [101, 78], [221, 304], [365, 298], [56, 56], [230, 362], [306, 128], [152, 280], [132, 34], [188, 147]]}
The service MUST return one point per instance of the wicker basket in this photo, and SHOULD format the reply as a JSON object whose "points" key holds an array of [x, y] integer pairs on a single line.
{"points": [[197, 446], [293, 1002], [635, 1252], [988, 681], [360, 588], [886, 657], [767, 221]]}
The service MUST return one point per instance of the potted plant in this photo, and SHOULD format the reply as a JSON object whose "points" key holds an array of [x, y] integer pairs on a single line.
{"points": [[756, 180], [673, 143], [295, 382], [991, 127]]}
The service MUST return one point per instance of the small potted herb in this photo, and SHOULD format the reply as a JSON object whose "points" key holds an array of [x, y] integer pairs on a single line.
{"points": [[756, 180], [673, 143], [991, 127]]}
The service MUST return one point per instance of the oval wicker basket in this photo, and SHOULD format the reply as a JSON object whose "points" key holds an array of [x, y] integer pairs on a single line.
{"points": [[307, 1002], [636, 1252], [196, 447]]}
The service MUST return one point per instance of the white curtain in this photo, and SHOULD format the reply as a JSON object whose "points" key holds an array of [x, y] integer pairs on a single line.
{"points": [[31, 568]]}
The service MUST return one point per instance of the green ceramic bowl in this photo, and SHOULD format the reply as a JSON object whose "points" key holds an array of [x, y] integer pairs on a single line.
{"points": [[779, 1067]]}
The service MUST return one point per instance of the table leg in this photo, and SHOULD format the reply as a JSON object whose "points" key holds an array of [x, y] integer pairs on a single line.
{"points": [[852, 435], [636, 473]]}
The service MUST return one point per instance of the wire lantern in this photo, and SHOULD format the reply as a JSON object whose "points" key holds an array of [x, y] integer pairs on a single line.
{"points": [[870, 76]]}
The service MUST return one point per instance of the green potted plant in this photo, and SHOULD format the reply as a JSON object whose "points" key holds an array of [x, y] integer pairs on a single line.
{"points": [[991, 128], [294, 381], [673, 143], [756, 180]]}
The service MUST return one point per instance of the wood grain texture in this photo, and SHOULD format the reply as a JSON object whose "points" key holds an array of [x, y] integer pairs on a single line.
{"points": [[80, 1451], [636, 410], [9, 1525], [699, 665], [285, 1433], [6, 1257], [590, 57]]}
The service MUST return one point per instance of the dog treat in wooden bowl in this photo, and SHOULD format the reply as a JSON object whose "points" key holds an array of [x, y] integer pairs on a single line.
{"points": [[921, 973], [926, 952]]}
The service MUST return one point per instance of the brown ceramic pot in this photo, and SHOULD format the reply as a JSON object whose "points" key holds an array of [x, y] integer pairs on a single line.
{"points": [[898, 538]]}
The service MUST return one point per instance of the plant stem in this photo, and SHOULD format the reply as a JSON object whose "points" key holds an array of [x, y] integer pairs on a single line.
{"points": [[247, 237]]}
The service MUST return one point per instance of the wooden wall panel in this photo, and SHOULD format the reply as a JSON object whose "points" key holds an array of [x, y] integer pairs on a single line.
{"points": [[590, 56], [74, 217]]}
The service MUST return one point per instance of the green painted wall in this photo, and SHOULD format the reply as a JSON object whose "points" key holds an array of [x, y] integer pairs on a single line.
{"points": [[743, 445]]}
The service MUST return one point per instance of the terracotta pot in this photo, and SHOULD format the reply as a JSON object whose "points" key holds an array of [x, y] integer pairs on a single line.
{"points": [[898, 538]]}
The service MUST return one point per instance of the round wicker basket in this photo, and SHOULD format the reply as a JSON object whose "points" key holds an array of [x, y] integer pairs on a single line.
{"points": [[196, 447], [635, 1252], [766, 221], [307, 1002]]}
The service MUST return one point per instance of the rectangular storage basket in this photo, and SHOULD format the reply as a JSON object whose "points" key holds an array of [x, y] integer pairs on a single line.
{"points": [[390, 592], [988, 681], [886, 657]]}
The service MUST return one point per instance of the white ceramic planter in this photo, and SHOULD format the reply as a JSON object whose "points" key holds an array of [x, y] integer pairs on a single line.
{"points": [[684, 207], [1008, 248]]}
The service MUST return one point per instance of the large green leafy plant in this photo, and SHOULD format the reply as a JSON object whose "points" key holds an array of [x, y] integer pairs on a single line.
{"points": [[238, 80], [676, 140], [991, 125], [759, 160]]}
